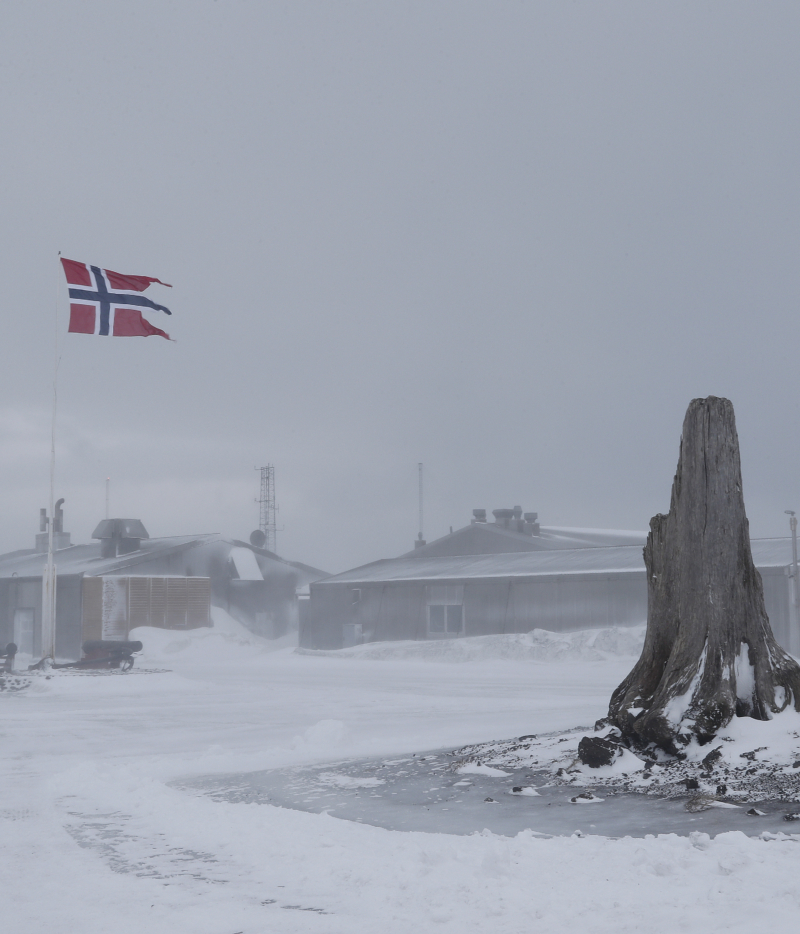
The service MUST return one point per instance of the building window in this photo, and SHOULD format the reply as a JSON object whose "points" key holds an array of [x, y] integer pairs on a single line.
{"points": [[356, 595], [446, 620]]}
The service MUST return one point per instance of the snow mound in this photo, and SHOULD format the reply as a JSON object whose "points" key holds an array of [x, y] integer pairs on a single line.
{"points": [[539, 645], [226, 638]]}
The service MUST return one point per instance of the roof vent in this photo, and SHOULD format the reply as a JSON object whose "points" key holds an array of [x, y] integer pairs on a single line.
{"points": [[503, 517], [479, 515], [119, 536], [531, 523]]}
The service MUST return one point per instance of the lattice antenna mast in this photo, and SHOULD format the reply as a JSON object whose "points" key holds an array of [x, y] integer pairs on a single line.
{"points": [[267, 518]]}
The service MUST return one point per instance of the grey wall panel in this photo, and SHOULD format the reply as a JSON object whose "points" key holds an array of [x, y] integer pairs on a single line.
{"points": [[564, 603], [68, 617], [329, 608], [777, 597], [487, 608]]}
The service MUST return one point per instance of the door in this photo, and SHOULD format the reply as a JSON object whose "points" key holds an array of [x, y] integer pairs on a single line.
{"points": [[23, 630]]}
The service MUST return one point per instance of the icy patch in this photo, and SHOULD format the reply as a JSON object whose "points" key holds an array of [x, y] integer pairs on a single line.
{"points": [[348, 781], [474, 768]]}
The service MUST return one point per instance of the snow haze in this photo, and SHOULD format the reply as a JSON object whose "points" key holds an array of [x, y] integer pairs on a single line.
{"points": [[511, 241]]}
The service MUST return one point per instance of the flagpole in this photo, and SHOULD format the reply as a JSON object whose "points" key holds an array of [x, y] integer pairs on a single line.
{"points": [[49, 578]]}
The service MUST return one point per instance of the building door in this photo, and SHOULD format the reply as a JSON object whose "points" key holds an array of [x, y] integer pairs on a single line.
{"points": [[23, 629]]}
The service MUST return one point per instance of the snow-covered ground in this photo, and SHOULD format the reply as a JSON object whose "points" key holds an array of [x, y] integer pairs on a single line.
{"points": [[95, 840]]}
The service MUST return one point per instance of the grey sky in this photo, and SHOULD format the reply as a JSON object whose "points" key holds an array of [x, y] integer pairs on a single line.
{"points": [[509, 240]]}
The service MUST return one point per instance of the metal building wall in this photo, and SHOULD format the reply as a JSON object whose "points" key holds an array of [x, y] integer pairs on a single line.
{"points": [[394, 610]]}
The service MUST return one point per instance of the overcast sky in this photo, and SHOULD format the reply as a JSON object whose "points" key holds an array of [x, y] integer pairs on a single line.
{"points": [[511, 240]]}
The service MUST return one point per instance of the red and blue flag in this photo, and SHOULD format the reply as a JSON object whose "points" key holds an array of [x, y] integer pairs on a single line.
{"points": [[105, 303]]}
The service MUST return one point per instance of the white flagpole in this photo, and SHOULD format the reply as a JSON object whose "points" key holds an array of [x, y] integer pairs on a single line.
{"points": [[49, 577]]}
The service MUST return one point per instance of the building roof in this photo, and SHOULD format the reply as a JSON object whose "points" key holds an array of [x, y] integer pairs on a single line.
{"points": [[85, 559], [483, 538], [624, 559]]}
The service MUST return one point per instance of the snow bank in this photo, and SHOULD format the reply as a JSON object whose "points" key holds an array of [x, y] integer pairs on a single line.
{"points": [[225, 639], [539, 645]]}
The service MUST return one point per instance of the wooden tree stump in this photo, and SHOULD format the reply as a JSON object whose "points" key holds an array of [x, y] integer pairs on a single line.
{"points": [[709, 653]]}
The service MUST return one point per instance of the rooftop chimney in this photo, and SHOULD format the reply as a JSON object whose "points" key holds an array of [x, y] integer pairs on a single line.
{"points": [[479, 515], [60, 537]]}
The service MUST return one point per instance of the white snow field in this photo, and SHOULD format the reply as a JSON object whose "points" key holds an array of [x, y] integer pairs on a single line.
{"points": [[94, 839]]}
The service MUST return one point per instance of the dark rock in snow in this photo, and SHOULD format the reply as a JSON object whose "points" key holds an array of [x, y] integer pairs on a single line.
{"points": [[595, 751], [752, 754], [796, 765], [754, 812], [712, 758], [691, 784], [700, 803], [722, 790], [795, 815], [517, 789]]}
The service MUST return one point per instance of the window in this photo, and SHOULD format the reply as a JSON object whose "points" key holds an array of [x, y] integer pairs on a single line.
{"points": [[446, 619], [356, 596]]}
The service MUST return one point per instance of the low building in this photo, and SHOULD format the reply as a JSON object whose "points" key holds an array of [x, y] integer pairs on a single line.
{"points": [[125, 579], [492, 578]]}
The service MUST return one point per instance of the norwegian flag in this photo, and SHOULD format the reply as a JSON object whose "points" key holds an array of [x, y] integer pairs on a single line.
{"points": [[103, 302]]}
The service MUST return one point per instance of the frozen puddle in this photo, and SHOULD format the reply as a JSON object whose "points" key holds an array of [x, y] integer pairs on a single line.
{"points": [[424, 793]]}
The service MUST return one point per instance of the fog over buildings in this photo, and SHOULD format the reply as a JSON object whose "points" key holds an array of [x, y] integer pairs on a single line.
{"points": [[511, 241]]}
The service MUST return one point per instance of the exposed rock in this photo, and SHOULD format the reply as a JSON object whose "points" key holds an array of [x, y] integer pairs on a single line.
{"points": [[700, 803], [596, 751], [586, 797], [712, 758]]}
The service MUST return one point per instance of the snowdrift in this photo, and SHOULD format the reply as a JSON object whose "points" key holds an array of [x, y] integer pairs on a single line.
{"points": [[225, 639], [539, 645]]}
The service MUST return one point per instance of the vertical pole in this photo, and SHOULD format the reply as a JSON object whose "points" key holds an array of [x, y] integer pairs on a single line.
{"points": [[794, 609], [420, 538], [108, 484], [49, 576], [794, 639]]}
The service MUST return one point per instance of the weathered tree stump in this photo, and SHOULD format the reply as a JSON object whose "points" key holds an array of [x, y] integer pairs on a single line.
{"points": [[709, 653]]}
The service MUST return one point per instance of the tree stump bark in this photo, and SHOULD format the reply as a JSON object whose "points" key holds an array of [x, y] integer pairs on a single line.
{"points": [[709, 653]]}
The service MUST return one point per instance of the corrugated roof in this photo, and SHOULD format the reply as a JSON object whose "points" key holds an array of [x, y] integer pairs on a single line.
{"points": [[488, 537], [85, 559], [767, 552]]}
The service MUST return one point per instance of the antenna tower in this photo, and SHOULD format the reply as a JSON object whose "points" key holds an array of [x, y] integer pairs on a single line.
{"points": [[267, 508]]}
